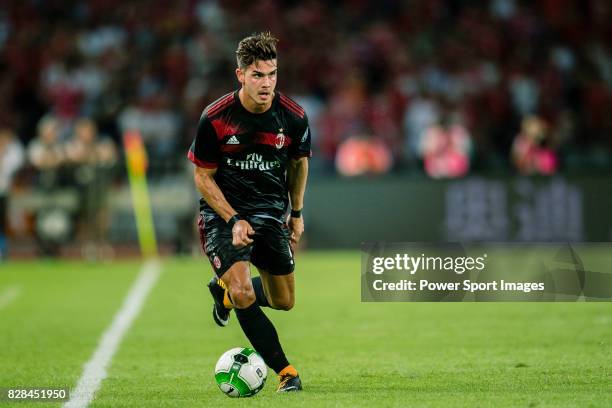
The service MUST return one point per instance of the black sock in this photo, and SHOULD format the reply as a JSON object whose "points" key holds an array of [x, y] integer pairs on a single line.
{"points": [[262, 335], [260, 294]]}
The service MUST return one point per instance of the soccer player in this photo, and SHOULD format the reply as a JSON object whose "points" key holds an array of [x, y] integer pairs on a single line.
{"points": [[251, 155]]}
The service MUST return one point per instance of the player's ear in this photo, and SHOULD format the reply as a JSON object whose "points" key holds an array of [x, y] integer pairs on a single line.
{"points": [[240, 75]]}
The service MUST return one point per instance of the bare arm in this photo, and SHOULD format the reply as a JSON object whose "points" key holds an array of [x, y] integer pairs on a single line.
{"points": [[212, 194], [207, 186], [297, 174]]}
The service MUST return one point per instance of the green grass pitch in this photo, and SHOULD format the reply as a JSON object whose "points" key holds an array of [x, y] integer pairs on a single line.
{"points": [[348, 353]]}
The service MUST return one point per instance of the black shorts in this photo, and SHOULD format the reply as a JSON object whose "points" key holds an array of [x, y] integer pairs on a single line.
{"points": [[269, 251]]}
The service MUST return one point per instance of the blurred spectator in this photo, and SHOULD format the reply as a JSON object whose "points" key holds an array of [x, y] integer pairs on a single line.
{"points": [[157, 123], [11, 159], [87, 150], [446, 149], [532, 152], [525, 93], [91, 159], [46, 153], [420, 114], [62, 90], [344, 116], [358, 156]]}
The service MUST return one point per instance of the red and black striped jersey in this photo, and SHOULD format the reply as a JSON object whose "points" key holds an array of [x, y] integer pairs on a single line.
{"points": [[250, 152]]}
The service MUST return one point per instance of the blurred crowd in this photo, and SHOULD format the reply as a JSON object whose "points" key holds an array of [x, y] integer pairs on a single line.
{"points": [[440, 87], [437, 86]]}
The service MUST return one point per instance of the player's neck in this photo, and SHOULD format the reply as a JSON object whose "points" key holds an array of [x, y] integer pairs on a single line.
{"points": [[250, 105]]}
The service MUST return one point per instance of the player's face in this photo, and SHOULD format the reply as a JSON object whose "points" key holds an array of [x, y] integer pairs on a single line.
{"points": [[259, 81]]}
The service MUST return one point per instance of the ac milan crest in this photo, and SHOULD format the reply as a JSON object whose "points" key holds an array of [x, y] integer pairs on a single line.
{"points": [[280, 139], [216, 262]]}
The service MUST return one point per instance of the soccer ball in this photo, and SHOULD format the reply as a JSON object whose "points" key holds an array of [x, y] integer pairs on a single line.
{"points": [[241, 372]]}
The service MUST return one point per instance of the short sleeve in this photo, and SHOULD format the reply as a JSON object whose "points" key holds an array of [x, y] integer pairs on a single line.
{"points": [[204, 151], [300, 146]]}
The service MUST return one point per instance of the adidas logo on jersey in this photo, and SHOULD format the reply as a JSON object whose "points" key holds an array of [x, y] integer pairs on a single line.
{"points": [[233, 140]]}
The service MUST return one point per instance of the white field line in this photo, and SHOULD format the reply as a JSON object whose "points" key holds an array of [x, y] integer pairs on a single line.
{"points": [[9, 295], [95, 369]]}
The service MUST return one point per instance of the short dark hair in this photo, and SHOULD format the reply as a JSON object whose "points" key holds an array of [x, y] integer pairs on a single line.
{"points": [[259, 46]]}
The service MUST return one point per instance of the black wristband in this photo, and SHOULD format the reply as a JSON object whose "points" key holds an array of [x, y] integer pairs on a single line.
{"points": [[235, 218], [296, 213]]}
